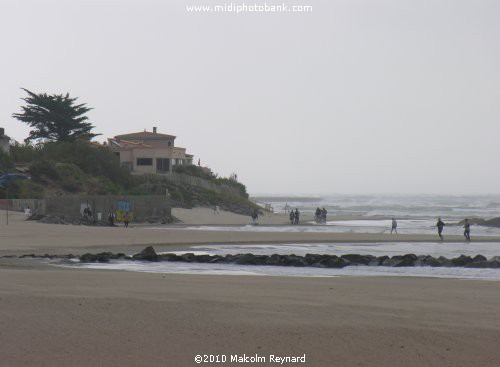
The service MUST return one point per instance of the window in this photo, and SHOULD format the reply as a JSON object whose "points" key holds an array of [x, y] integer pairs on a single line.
{"points": [[162, 165], [144, 161], [169, 143]]}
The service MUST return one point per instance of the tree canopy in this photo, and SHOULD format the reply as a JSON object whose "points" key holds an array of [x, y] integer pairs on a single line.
{"points": [[55, 117]]}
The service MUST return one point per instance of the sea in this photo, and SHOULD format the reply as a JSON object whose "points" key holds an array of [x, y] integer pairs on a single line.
{"points": [[449, 207], [416, 214]]}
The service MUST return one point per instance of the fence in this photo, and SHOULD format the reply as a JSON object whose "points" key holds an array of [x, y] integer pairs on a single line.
{"points": [[141, 208]]}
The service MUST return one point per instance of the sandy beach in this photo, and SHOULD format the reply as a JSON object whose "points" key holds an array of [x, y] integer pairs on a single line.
{"points": [[92, 318], [75, 317]]}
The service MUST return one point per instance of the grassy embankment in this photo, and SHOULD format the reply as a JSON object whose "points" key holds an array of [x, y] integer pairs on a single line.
{"points": [[80, 167]]}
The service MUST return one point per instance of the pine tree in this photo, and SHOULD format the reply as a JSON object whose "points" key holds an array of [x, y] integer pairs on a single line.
{"points": [[55, 118]]}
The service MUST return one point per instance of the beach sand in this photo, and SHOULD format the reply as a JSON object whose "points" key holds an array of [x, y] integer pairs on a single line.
{"points": [[76, 317], [107, 318]]}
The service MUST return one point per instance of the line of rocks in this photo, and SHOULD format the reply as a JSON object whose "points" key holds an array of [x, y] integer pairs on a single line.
{"points": [[313, 260]]}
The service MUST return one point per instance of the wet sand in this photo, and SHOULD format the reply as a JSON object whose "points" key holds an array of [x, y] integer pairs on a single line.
{"points": [[22, 237]]}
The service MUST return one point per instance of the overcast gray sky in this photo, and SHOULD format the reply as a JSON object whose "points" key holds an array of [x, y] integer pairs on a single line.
{"points": [[357, 96]]}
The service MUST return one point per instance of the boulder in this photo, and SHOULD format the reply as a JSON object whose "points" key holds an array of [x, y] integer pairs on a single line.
{"points": [[104, 257], [217, 259], [378, 260], [247, 259], [443, 261], [293, 260], [400, 260], [203, 258], [462, 260], [170, 257], [189, 257], [332, 261], [311, 259], [479, 258], [490, 264], [88, 258], [148, 254], [427, 260], [355, 259]]}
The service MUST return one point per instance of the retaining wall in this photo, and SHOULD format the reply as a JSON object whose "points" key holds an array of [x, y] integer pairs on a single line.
{"points": [[140, 208]]}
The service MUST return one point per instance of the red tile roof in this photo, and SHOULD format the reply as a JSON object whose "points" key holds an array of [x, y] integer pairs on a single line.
{"points": [[144, 135]]}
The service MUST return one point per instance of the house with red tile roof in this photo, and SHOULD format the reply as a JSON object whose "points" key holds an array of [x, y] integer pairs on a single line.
{"points": [[149, 152]]}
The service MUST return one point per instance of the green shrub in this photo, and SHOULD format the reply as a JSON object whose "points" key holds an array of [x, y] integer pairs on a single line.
{"points": [[5, 162], [25, 153], [195, 171], [44, 168]]}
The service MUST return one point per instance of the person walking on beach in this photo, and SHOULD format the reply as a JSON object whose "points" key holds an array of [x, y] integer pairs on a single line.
{"points": [[323, 215], [467, 229], [111, 219], [292, 216], [126, 219], [394, 226], [440, 225], [317, 215], [255, 216], [296, 216]]}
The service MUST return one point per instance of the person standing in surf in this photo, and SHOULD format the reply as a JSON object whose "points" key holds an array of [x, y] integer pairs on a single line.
{"points": [[296, 216], [394, 226], [467, 229], [440, 225]]}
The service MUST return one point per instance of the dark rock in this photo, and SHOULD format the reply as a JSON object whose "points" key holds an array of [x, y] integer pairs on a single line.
{"points": [[203, 258], [355, 259], [274, 259], [189, 257], [400, 260], [479, 258], [88, 258], [427, 260], [492, 264], [246, 259], [293, 260], [378, 260], [30, 255], [170, 257], [462, 260], [332, 261], [311, 259], [443, 261], [104, 257], [148, 254], [216, 259]]}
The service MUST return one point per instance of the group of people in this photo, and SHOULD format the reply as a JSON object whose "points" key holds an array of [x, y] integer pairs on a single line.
{"points": [[87, 213], [440, 226], [320, 215], [294, 216], [112, 217]]}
